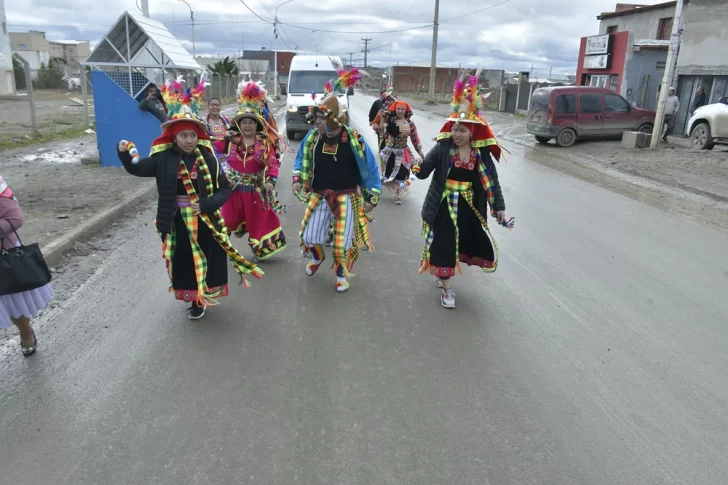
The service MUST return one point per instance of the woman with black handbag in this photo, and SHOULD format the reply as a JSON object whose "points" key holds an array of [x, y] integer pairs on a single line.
{"points": [[17, 308]]}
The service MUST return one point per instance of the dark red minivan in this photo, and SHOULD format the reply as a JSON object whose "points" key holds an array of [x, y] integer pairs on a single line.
{"points": [[569, 113]]}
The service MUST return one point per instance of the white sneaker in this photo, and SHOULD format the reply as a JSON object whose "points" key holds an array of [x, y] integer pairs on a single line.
{"points": [[438, 283], [447, 298]]}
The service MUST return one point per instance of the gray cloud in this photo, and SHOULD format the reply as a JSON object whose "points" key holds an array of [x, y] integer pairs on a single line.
{"points": [[515, 35]]}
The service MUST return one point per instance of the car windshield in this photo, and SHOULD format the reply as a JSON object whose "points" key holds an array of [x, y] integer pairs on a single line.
{"points": [[307, 82]]}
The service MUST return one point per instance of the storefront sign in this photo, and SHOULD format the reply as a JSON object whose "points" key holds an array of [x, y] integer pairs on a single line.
{"points": [[596, 62], [598, 44]]}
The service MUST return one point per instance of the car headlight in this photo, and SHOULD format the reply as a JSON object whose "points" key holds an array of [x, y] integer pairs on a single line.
{"points": [[292, 108]]}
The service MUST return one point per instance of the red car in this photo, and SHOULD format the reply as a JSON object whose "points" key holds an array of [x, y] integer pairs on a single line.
{"points": [[571, 113]]}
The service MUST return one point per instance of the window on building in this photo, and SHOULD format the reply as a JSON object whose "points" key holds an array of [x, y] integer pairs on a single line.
{"points": [[660, 65], [5, 28], [590, 103], [598, 81], [611, 29], [664, 29], [566, 104], [615, 104], [613, 81]]}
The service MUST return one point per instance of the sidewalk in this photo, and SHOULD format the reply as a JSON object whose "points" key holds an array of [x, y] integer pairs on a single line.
{"points": [[700, 172], [67, 197]]}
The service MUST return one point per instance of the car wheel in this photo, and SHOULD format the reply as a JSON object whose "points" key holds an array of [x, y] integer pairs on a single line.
{"points": [[542, 139], [700, 138], [566, 138], [646, 128]]}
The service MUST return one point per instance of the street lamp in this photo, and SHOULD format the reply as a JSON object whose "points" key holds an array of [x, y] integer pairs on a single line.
{"points": [[275, 49], [192, 18]]}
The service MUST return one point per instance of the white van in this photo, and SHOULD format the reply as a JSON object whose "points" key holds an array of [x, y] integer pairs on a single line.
{"points": [[308, 75]]}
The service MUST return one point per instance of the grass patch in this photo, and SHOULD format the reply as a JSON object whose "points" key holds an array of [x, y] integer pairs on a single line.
{"points": [[7, 141]]}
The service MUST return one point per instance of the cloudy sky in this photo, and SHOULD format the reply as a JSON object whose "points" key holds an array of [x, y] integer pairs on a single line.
{"points": [[494, 34]]}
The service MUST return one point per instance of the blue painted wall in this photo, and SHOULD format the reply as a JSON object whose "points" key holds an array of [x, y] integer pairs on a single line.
{"points": [[636, 69], [118, 117]]}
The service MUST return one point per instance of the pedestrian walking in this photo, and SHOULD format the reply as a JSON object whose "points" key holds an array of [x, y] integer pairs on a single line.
{"points": [[192, 189], [18, 308], [464, 184], [218, 126], [339, 176]]}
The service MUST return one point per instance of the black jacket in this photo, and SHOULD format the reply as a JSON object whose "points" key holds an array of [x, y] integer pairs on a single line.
{"points": [[164, 166], [376, 106], [437, 162], [699, 101]]}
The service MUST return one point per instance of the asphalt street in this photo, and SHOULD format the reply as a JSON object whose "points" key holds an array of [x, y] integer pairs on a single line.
{"points": [[596, 354]]}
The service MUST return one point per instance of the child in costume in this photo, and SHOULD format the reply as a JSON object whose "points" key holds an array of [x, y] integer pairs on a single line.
{"points": [[192, 188]]}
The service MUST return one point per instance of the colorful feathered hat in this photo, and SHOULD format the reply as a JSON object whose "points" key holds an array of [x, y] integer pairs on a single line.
{"points": [[250, 102], [329, 106], [183, 104], [467, 102]]}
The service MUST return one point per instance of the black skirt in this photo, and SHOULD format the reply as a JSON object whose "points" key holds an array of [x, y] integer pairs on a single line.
{"points": [[184, 279]]}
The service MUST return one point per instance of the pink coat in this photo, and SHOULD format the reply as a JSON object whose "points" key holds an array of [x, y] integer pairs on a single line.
{"points": [[9, 213]]}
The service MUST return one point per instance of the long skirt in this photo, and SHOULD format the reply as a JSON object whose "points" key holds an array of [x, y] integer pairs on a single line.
{"points": [[459, 234], [184, 280], [248, 212], [400, 160], [24, 304]]}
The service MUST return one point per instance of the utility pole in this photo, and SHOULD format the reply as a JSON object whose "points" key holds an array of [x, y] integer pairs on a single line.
{"points": [[192, 18], [351, 60], [275, 49], [551, 70], [366, 51], [433, 62], [145, 8], [667, 79]]}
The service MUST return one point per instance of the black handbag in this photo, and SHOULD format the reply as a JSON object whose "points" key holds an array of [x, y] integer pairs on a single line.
{"points": [[22, 268]]}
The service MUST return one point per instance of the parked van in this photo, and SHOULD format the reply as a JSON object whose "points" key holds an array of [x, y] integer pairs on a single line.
{"points": [[308, 75], [569, 113]]}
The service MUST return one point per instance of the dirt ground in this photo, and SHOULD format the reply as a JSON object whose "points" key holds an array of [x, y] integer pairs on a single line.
{"points": [[54, 112], [60, 186]]}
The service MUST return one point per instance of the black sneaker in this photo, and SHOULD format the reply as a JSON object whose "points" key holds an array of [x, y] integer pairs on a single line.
{"points": [[197, 312]]}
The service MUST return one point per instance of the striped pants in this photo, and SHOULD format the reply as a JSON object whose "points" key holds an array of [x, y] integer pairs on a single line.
{"points": [[316, 230]]}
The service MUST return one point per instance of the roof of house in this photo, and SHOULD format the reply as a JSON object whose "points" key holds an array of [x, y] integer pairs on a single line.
{"points": [[636, 9], [163, 48]]}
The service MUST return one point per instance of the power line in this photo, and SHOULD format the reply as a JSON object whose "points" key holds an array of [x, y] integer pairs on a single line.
{"points": [[357, 32], [253, 12], [472, 13]]}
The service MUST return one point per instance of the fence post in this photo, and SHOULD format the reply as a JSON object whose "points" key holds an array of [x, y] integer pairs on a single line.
{"points": [[29, 86], [84, 88]]}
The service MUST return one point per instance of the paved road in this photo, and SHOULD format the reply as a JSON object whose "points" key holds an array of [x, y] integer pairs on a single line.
{"points": [[595, 355]]}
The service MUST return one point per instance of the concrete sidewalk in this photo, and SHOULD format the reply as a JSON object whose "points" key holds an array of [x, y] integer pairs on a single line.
{"points": [[67, 197]]}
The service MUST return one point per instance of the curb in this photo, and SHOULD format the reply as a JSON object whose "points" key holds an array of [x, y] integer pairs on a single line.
{"points": [[54, 251]]}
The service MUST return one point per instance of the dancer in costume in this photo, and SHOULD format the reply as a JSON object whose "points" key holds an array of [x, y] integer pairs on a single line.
{"points": [[218, 126], [340, 180], [192, 188], [396, 157], [464, 183], [252, 167], [378, 123]]}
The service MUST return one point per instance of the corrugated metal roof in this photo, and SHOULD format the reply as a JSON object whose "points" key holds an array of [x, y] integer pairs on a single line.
{"points": [[143, 33], [164, 39]]}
